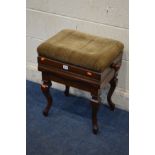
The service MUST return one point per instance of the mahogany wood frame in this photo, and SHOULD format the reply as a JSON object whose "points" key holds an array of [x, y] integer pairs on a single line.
{"points": [[82, 78]]}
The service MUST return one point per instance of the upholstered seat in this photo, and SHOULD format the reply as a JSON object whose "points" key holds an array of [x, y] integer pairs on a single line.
{"points": [[81, 49]]}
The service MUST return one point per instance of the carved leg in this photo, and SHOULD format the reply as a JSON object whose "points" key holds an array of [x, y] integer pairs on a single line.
{"points": [[113, 84], [67, 91], [95, 106], [45, 89]]}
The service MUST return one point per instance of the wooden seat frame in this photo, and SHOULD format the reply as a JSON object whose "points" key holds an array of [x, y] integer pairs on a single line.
{"points": [[81, 78]]}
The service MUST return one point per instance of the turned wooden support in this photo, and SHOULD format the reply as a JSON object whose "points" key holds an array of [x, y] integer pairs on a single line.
{"points": [[66, 91], [113, 84], [95, 102], [45, 87]]}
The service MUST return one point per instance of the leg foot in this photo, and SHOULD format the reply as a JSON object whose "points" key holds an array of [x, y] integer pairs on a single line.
{"points": [[113, 84], [45, 113], [45, 89], [95, 106], [95, 130], [67, 91]]}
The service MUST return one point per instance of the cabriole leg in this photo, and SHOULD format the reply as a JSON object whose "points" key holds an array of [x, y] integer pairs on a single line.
{"points": [[67, 91], [45, 87], [95, 102], [113, 84]]}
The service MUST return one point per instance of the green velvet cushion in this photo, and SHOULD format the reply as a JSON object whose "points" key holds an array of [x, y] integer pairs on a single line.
{"points": [[81, 49]]}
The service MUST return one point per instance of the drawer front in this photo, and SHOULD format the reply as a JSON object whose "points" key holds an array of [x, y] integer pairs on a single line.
{"points": [[57, 65]]}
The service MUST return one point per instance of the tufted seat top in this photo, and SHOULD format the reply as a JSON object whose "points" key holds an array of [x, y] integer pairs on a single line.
{"points": [[81, 49]]}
